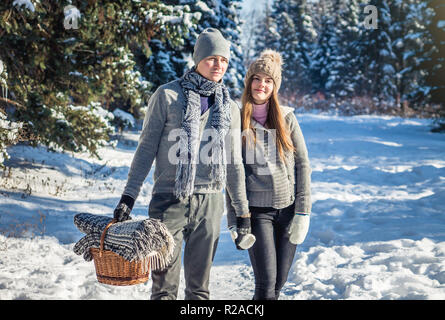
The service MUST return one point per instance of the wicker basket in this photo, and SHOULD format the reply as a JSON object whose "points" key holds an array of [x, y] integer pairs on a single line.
{"points": [[113, 269]]}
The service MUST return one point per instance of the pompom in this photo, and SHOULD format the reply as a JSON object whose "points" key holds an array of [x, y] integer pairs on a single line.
{"points": [[273, 55]]}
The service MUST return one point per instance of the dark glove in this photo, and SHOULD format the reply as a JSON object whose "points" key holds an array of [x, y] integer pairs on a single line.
{"points": [[123, 209], [242, 233]]}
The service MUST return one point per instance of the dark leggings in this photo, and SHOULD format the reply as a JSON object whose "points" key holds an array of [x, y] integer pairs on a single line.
{"points": [[272, 254]]}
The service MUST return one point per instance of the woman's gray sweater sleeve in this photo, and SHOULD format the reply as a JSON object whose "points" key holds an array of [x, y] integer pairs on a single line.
{"points": [[303, 202]]}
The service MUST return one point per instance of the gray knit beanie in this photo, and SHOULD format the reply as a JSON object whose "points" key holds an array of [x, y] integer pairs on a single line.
{"points": [[211, 43]]}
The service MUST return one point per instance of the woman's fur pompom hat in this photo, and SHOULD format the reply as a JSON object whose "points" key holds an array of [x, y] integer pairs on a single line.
{"points": [[270, 63]]}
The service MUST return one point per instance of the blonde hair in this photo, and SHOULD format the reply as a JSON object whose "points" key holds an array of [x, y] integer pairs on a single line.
{"points": [[275, 120]]}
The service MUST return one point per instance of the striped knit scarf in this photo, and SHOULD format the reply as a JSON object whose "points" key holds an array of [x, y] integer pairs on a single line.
{"points": [[194, 85]]}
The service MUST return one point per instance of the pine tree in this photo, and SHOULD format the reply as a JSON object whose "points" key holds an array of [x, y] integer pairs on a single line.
{"points": [[170, 57], [160, 67], [230, 27], [265, 35], [322, 54], [69, 63], [252, 22], [292, 41], [379, 56], [287, 44], [343, 65], [411, 38], [435, 64], [363, 82], [437, 28]]}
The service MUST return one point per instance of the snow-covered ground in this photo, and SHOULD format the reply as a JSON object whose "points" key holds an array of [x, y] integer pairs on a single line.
{"points": [[377, 228]]}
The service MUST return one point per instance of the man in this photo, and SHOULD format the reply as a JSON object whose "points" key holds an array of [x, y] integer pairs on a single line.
{"points": [[184, 117]]}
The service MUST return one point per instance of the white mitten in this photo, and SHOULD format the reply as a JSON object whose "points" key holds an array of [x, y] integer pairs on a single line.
{"points": [[299, 228]]}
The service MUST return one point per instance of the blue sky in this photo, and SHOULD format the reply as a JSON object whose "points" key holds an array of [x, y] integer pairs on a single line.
{"points": [[249, 4]]}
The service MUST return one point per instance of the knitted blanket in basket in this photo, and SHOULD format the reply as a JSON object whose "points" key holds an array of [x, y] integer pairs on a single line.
{"points": [[145, 240]]}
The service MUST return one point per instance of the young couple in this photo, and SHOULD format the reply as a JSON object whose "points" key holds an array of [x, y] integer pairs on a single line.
{"points": [[268, 210]]}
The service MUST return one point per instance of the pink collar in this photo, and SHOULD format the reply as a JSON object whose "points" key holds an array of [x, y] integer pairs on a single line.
{"points": [[260, 112]]}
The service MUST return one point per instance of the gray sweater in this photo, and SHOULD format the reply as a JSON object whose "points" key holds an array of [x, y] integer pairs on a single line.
{"points": [[269, 181], [157, 143]]}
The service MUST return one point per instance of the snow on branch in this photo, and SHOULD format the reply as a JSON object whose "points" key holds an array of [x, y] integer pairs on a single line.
{"points": [[27, 3]]}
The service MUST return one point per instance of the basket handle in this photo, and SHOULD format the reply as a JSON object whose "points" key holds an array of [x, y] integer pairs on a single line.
{"points": [[102, 237]]}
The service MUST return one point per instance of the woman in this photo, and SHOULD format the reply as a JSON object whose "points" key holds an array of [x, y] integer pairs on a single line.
{"points": [[277, 177]]}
